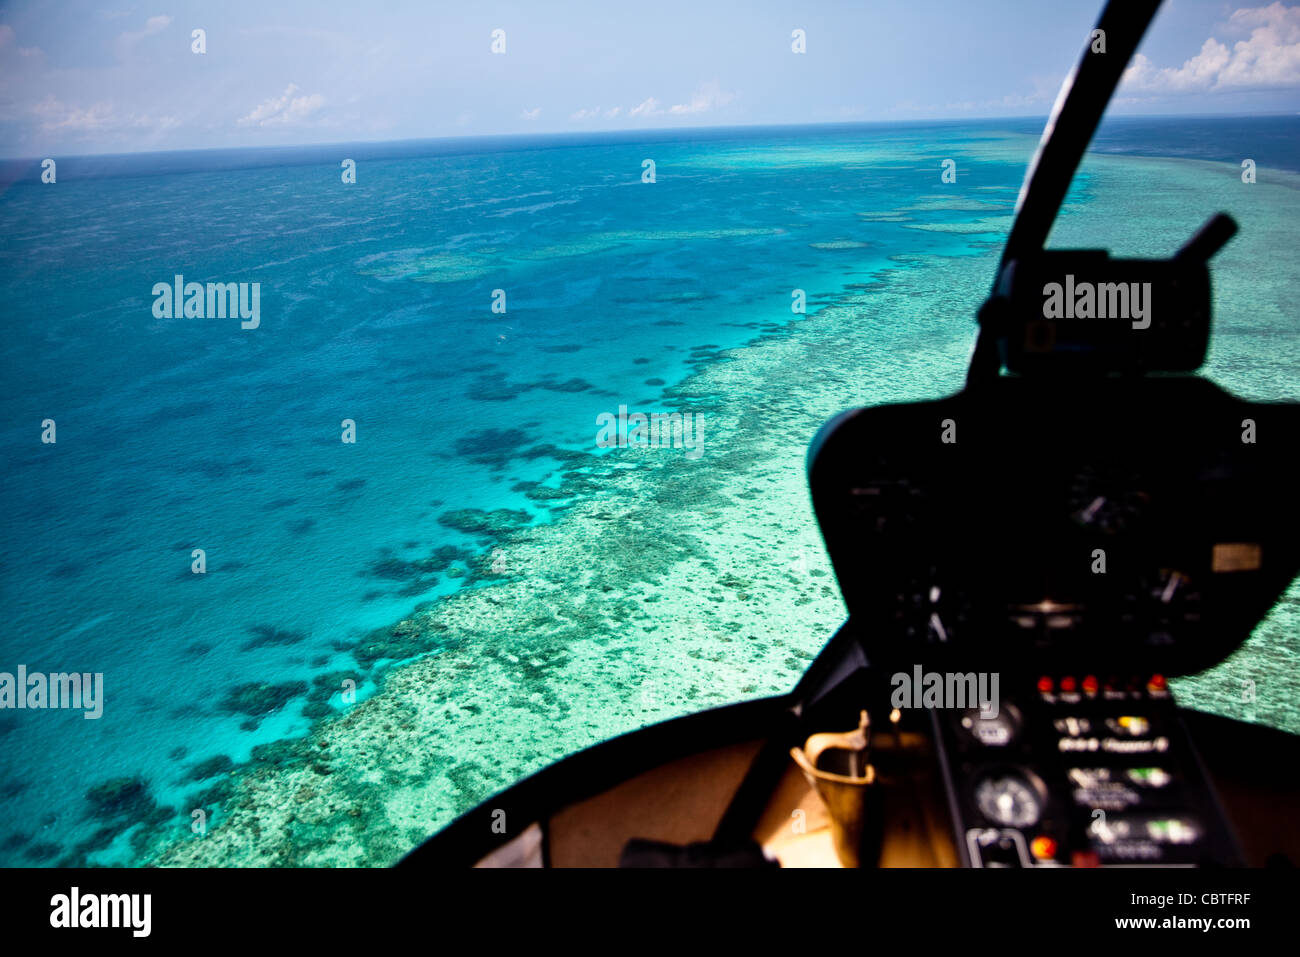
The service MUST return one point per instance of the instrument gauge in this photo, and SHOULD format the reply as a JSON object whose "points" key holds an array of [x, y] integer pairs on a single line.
{"points": [[1010, 799], [929, 611], [1106, 501], [1171, 591], [996, 731], [1165, 602]]}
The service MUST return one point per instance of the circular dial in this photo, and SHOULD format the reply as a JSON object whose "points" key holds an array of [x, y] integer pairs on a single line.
{"points": [[1009, 800], [994, 732], [927, 610], [1105, 500], [1165, 604], [1172, 595]]}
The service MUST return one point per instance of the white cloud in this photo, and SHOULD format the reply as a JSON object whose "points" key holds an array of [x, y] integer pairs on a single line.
{"points": [[57, 117], [532, 114], [1268, 58], [285, 109], [709, 96], [647, 107], [1014, 102], [127, 40]]}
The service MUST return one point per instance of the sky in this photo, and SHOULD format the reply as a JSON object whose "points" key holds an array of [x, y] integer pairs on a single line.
{"points": [[80, 78]]}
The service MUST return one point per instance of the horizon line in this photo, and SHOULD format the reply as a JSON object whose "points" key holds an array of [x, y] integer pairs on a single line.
{"points": [[557, 134]]}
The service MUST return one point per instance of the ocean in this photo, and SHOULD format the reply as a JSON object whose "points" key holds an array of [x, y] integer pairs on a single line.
{"points": [[348, 572]]}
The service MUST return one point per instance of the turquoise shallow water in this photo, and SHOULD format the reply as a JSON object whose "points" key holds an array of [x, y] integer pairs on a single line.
{"points": [[376, 307]]}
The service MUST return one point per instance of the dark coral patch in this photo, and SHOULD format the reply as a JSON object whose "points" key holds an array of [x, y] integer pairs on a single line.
{"points": [[269, 636], [569, 385], [221, 764], [256, 699], [119, 797], [476, 521], [492, 447]]}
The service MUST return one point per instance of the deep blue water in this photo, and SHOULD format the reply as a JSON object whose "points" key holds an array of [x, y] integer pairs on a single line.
{"points": [[1271, 141]]}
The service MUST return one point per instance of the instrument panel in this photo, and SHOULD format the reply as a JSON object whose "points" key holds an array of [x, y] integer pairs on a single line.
{"points": [[1082, 540], [1084, 771], [1131, 522]]}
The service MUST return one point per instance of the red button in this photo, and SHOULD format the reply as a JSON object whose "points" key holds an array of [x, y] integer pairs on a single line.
{"points": [[1067, 684], [1045, 685], [1157, 683], [1043, 848], [1090, 684]]}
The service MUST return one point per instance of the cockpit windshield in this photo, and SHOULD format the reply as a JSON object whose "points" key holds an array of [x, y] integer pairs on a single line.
{"points": [[394, 404]]}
